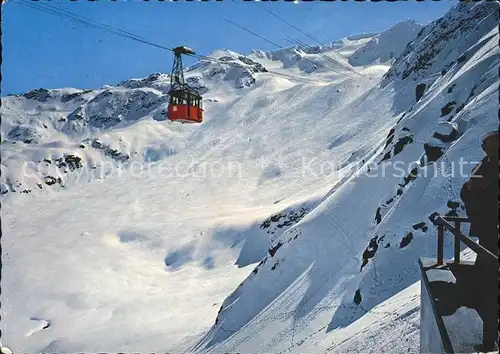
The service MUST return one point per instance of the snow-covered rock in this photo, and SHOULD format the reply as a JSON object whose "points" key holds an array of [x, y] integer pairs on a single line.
{"points": [[447, 43], [386, 46]]}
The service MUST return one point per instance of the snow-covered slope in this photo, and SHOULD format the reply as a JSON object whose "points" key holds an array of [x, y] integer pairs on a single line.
{"points": [[386, 46], [146, 226], [306, 295]]}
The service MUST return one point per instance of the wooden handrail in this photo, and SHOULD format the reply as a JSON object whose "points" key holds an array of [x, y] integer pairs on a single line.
{"points": [[478, 249], [443, 332], [489, 325], [455, 218]]}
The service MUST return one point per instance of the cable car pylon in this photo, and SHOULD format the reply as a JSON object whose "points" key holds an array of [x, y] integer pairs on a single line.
{"points": [[185, 104]]}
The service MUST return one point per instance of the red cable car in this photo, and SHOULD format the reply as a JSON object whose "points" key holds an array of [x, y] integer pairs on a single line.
{"points": [[185, 104]]}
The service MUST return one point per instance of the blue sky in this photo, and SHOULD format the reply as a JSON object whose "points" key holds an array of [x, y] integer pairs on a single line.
{"points": [[46, 50]]}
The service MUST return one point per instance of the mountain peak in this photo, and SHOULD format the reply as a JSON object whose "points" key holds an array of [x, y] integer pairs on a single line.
{"points": [[387, 45], [445, 42]]}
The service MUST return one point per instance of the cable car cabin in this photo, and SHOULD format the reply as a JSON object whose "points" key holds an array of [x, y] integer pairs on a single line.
{"points": [[185, 102], [185, 106]]}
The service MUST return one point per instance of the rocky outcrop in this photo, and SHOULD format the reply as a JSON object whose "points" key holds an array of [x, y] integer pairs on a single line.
{"points": [[108, 151], [426, 54], [40, 95], [419, 91], [28, 134], [283, 219]]}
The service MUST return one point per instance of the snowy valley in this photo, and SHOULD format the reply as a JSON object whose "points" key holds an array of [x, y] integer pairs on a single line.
{"points": [[291, 219]]}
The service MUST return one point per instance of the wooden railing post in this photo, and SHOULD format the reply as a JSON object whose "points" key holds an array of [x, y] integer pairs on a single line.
{"points": [[457, 241], [440, 244]]}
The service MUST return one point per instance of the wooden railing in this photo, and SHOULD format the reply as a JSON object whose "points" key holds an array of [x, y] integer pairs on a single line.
{"points": [[443, 223], [453, 224]]}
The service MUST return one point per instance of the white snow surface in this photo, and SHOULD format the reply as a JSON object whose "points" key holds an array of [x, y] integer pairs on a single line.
{"points": [[123, 231], [387, 45]]}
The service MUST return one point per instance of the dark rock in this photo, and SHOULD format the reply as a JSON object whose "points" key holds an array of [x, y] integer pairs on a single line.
{"points": [[291, 218], [77, 114], [370, 251], [357, 297], [402, 143], [153, 77], [49, 180], [378, 216], [365, 262], [448, 108], [387, 245], [452, 205], [472, 93], [272, 250], [73, 96], [399, 192], [419, 225], [245, 83], [389, 137], [217, 317], [257, 67], [419, 91], [73, 162], [405, 241], [433, 216], [115, 154], [40, 95], [97, 144], [275, 265], [450, 89], [411, 177], [460, 107], [461, 59], [387, 156], [433, 153], [446, 138], [400, 119]]}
